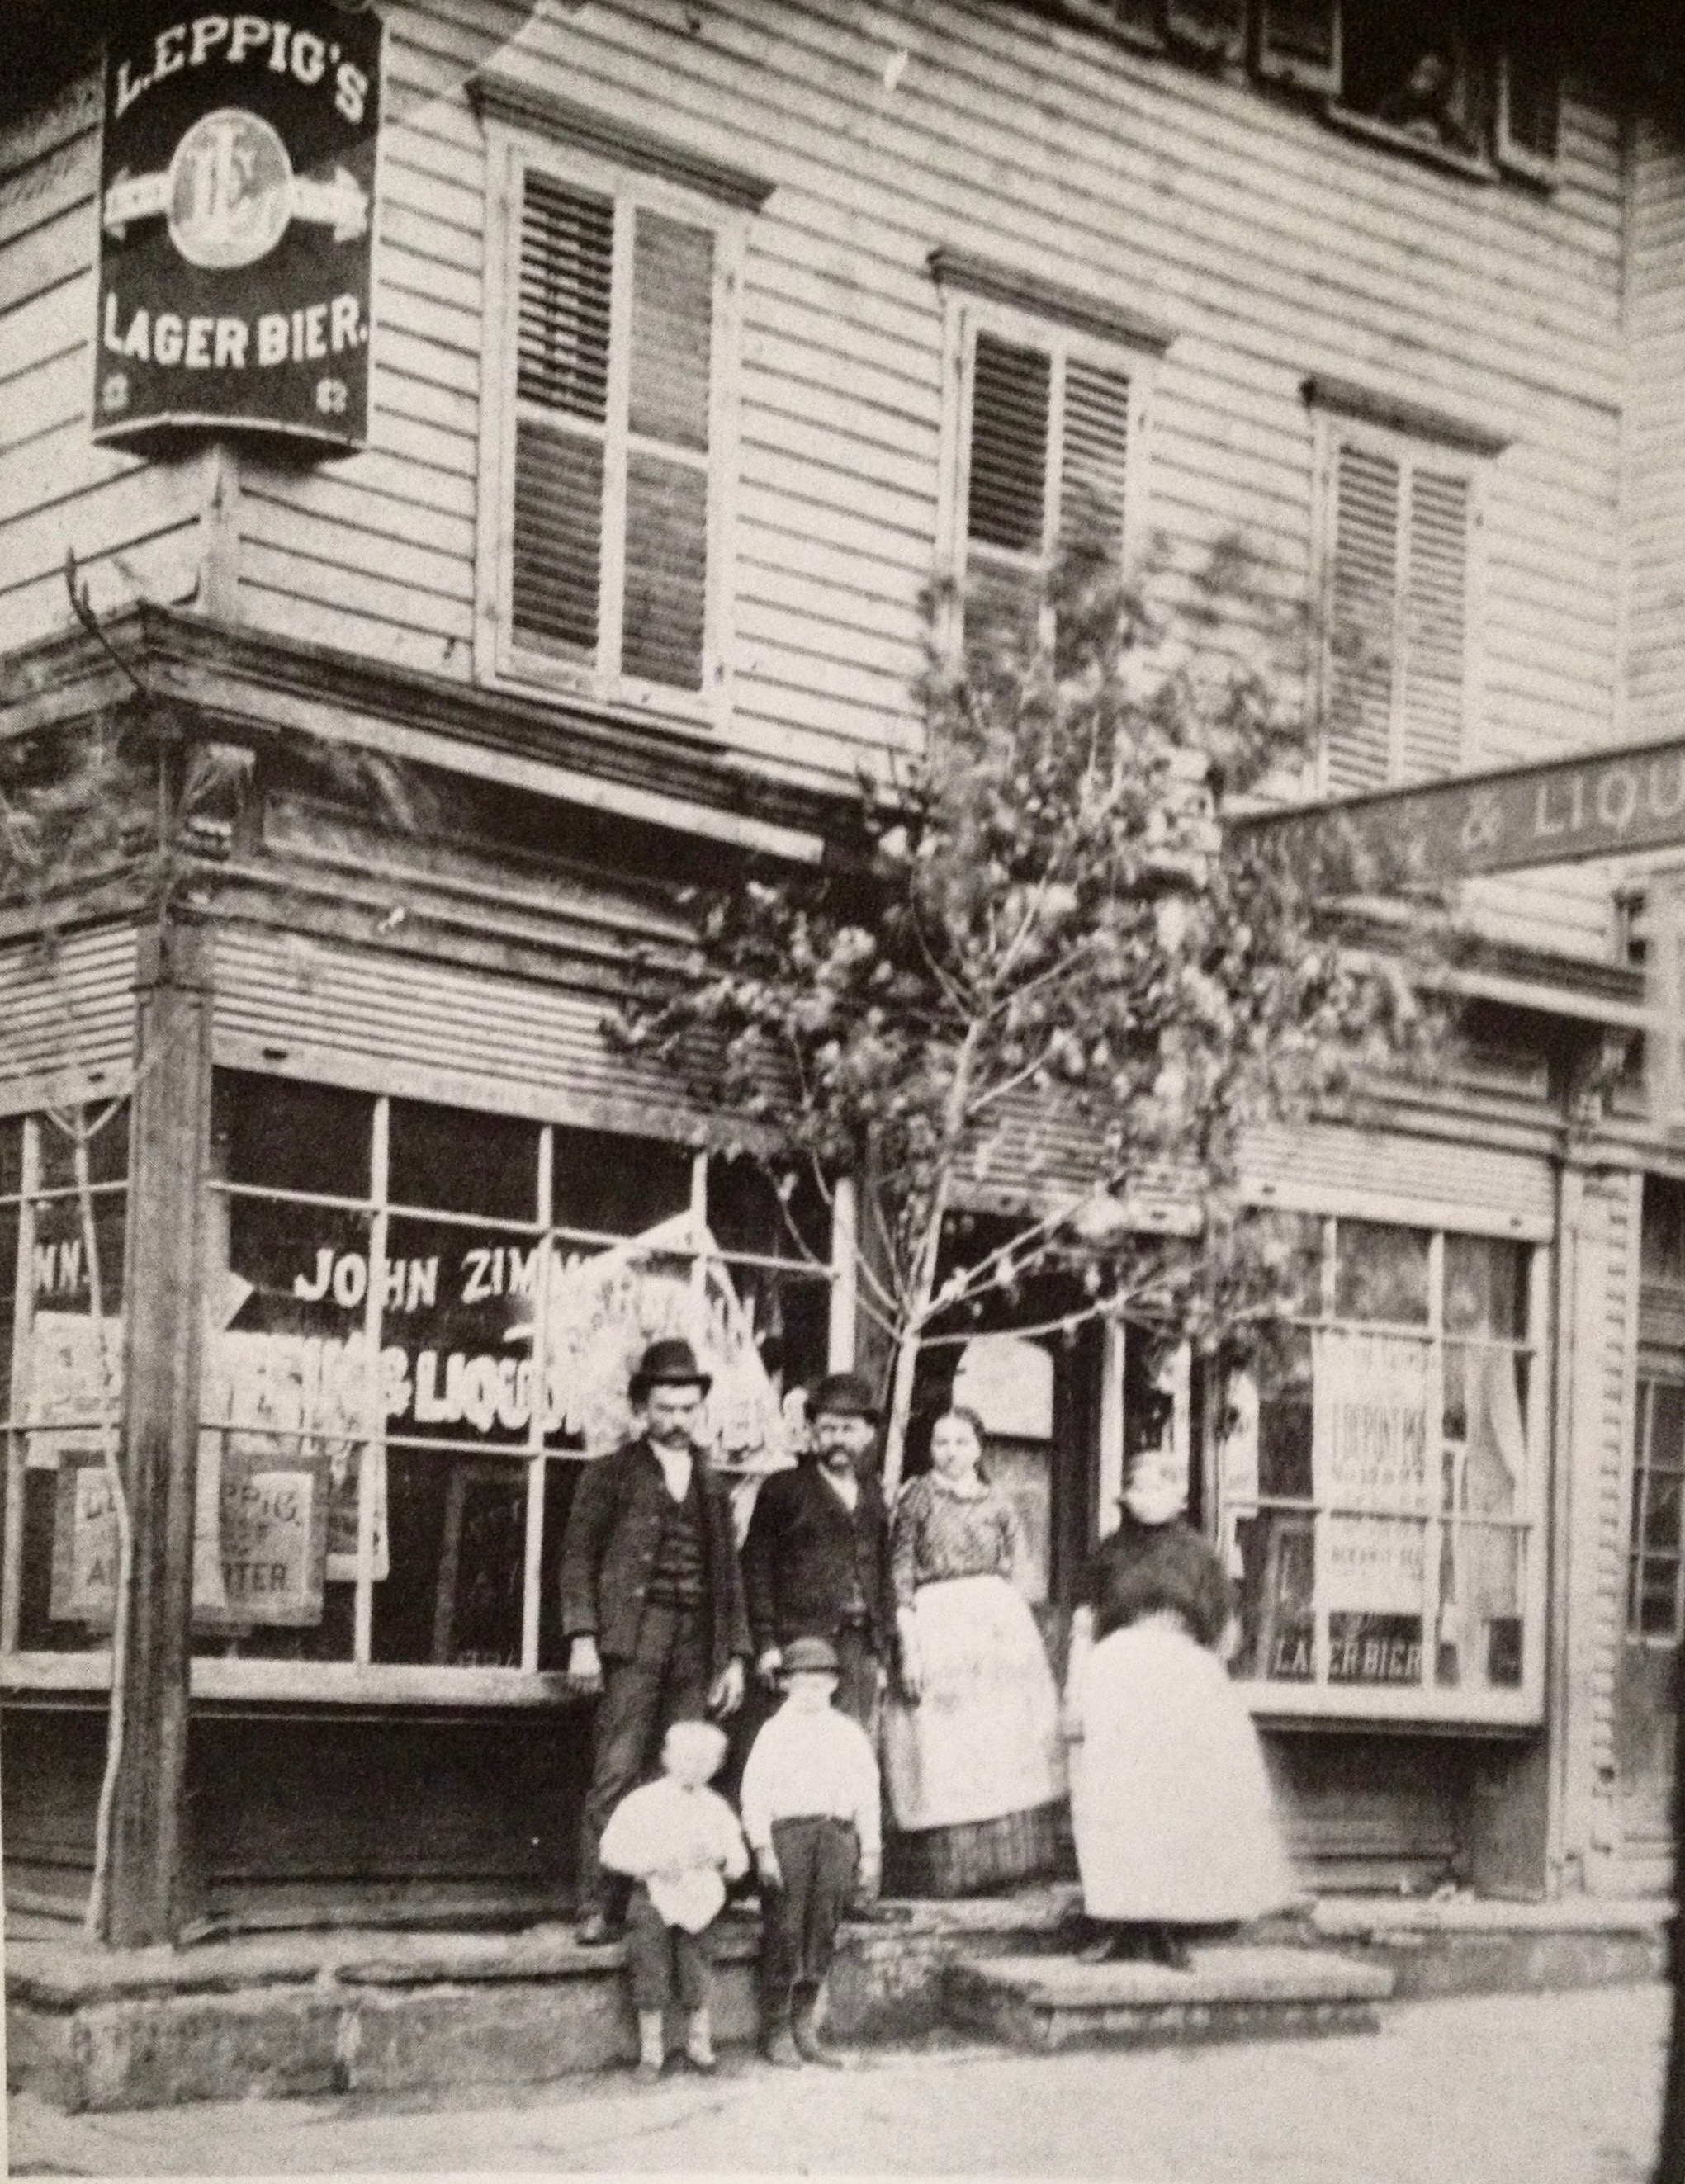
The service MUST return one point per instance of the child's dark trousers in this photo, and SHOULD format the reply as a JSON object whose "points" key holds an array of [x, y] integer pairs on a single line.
{"points": [[818, 1859], [667, 1964]]}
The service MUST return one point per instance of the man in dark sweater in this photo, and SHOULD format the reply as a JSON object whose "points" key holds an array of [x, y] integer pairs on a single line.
{"points": [[816, 1561], [651, 1601]]}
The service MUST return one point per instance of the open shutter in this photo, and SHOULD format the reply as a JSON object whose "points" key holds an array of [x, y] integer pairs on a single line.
{"points": [[1094, 455], [1006, 497], [666, 480], [561, 401], [1529, 104], [1298, 43], [1435, 625], [1217, 27], [1363, 600]]}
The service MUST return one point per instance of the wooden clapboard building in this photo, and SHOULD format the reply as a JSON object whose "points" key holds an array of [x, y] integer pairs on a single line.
{"points": [[703, 337]]}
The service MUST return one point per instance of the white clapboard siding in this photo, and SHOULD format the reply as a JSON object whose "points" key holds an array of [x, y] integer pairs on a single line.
{"points": [[1656, 471], [133, 528], [1008, 131], [377, 1019], [70, 1008], [1341, 1164]]}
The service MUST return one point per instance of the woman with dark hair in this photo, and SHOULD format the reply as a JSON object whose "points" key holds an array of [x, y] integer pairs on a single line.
{"points": [[971, 1742], [1175, 1826]]}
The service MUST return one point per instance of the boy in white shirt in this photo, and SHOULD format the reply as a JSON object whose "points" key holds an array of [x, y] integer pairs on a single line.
{"points": [[810, 1813], [681, 1844]]}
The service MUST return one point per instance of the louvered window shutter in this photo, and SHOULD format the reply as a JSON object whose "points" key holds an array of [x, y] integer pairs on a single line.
{"points": [[1095, 455], [1362, 603], [1006, 501], [1530, 104], [1009, 390], [666, 480], [1434, 668], [1298, 43], [1214, 26], [561, 388]]}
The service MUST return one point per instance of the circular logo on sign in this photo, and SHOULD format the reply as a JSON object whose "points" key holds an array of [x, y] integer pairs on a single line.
{"points": [[231, 190]]}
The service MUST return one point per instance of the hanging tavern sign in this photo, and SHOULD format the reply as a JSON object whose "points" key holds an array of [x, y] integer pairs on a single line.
{"points": [[235, 210], [1595, 805]]}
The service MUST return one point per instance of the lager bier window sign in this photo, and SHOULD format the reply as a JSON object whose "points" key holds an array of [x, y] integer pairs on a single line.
{"points": [[235, 218]]}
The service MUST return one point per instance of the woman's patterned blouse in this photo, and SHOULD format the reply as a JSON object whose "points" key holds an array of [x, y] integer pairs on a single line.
{"points": [[937, 1533]]}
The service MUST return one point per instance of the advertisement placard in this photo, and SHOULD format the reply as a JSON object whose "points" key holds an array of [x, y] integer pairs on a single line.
{"points": [[236, 220]]}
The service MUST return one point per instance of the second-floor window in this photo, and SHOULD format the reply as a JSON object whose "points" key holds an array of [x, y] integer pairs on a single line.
{"points": [[1049, 451], [1400, 517], [610, 456], [1444, 75]]}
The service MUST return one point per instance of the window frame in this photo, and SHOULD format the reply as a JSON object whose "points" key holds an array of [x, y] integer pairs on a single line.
{"points": [[1034, 323], [1335, 429], [500, 657], [1427, 1703], [361, 1679]]}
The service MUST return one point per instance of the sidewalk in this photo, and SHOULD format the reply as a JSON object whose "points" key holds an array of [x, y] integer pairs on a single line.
{"points": [[1507, 2089]]}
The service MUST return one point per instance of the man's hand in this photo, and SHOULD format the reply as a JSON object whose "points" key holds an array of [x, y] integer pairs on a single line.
{"points": [[584, 1669], [1071, 1722], [909, 1675], [768, 1666], [869, 1880], [725, 1695], [767, 1870]]}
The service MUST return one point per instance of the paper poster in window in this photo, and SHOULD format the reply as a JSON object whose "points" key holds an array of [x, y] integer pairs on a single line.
{"points": [[1369, 1452], [83, 1583], [604, 1308], [67, 1385]]}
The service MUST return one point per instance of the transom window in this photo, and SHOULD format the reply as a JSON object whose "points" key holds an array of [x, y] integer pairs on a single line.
{"points": [[1379, 1487]]}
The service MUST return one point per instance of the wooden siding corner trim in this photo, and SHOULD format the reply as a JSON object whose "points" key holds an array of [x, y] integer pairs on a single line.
{"points": [[524, 106], [973, 275], [1345, 398]]}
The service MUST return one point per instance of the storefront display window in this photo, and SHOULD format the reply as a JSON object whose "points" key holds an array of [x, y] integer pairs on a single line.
{"points": [[1379, 1481], [420, 1322], [60, 1375]]}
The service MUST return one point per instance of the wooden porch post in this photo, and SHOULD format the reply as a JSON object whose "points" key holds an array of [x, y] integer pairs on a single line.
{"points": [[161, 1401]]}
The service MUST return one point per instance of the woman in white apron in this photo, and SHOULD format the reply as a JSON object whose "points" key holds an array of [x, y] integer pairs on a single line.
{"points": [[1174, 1822], [972, 1746]]}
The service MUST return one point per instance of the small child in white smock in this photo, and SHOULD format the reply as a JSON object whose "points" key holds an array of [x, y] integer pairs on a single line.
{"points": [[681, 1843]]}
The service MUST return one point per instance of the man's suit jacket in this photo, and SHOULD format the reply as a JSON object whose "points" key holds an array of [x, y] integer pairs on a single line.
{"points": [[802, 1547], [609, 1551]]}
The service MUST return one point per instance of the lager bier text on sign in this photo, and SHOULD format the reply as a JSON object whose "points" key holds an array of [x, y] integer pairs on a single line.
{"points": [[236, 216]]}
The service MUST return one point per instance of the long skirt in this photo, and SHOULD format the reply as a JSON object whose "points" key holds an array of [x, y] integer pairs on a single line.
{"points": [[983, 1739], [1170, 1802]]}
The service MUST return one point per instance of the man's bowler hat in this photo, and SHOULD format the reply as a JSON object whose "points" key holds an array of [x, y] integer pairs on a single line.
{"points": [[845, 1395], [811, 1657], [668, 1364]]}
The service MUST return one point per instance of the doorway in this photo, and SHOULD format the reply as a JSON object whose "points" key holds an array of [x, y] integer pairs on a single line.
{"points": [[1654, 1608]]}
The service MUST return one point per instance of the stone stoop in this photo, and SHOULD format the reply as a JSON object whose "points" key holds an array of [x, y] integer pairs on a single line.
{"points": [[394, 2011], [1233, 1991], [1465, 1944]]}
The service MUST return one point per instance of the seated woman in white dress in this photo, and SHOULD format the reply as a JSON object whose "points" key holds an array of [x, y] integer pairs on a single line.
{"points": [[971, 1742], [1174, 1822]]}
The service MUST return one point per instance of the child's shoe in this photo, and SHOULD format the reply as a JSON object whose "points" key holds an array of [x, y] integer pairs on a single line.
{"points": [[779, 2047], [699, 2044], [651, 2047], [805, 2030]]}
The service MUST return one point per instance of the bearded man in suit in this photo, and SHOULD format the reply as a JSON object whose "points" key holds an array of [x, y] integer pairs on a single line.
{"points": [[815, 1560]]}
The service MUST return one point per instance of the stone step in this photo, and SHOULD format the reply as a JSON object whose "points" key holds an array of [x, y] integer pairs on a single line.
{"points": [[1230, 1992]]}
